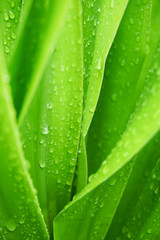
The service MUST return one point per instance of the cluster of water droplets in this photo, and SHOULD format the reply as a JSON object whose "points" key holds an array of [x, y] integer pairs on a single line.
{"points": [[11, 19]]}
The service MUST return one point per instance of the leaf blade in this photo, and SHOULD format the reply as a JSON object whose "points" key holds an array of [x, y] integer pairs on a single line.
{"points": [[27, 70], [97, 43], [18, 200], [136, 135], [53, 128]]}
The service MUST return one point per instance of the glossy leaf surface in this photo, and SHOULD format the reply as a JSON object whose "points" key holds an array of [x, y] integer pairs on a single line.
{"points": [[41, 19], [19, 208], [99, 28], [136, 135], [120, 83], [51, 132]]}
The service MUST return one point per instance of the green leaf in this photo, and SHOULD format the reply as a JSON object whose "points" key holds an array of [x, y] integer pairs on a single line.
{"points": [[92, 212], [27, 68], [19, 209], [143, 221], [51, 127], [57, 62], [147, 157], [120, 84], [143, 125], [100, 23], [144, 164]]}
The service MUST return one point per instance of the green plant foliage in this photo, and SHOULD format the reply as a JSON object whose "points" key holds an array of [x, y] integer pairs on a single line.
{"points": [[125, 149], [123, 67], [99, 29], [79, 119], [144, 164], [19, 209], [53, 145], [27, 69]]}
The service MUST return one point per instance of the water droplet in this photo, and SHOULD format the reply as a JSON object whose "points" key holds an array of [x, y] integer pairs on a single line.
{"points": [[95, 22], [6, 16], [113, 181], [45, 130], [13, 35], [99, 64], [8, 25], [62, 68], [123, 63], [136, 60], [93, 32], [131, 21], [42, 163], [70, 150], [51, 150], [149, 230], [22, 221], [11, 15], [11, 225], [91, 109], [49, 105], [12, 4], [41, 141], [129, 235], [7, 50], [68, 183], [137, 39], [101, 204], [114, 97]]}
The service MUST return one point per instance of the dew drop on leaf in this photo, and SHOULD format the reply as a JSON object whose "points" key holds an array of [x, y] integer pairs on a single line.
{"points": [[113, 181], [51, 150], [13, 35], [131, 21], [22, 221], [42, 163], [7, 50], [49, 105], [149, 231], [11, 225], [45, 130], [11, 15], [122, 63], [114, 97], [6, 16], [112, 3], [99, 63]]}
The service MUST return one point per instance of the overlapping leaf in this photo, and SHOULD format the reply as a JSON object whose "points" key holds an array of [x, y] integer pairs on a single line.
{"points": [[134, 138], [19, 209], [100, 22], [42, 22], [143, 220], [53, 109], [120, 84], [142, 126], [144, 164], [146, 159], [51, 131]]}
